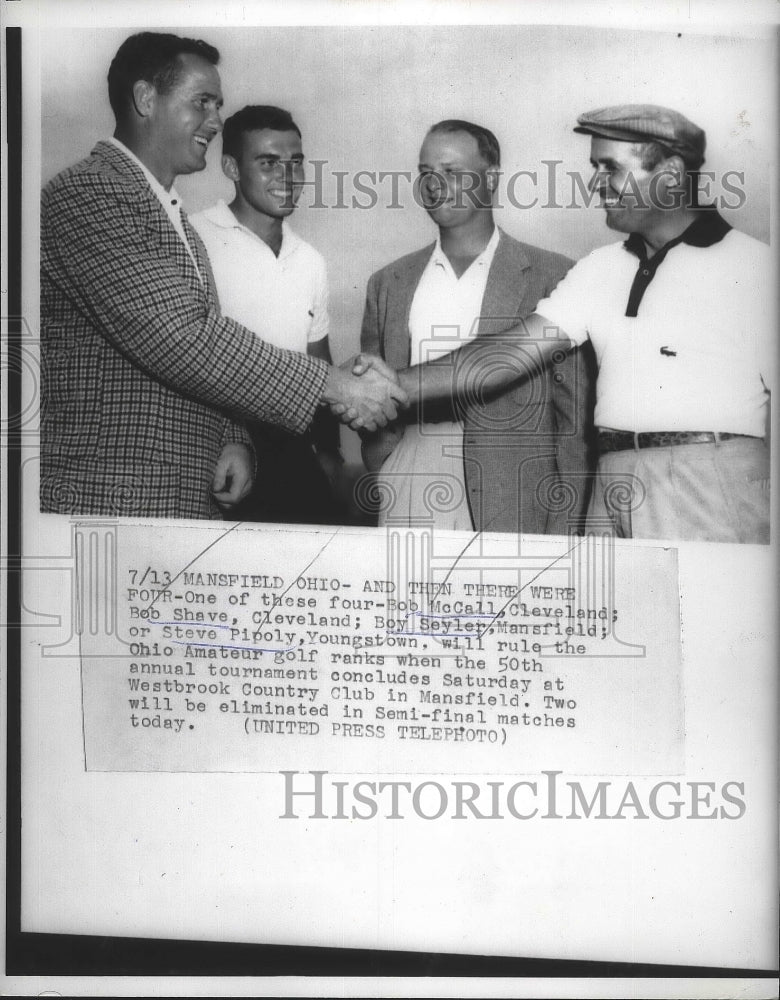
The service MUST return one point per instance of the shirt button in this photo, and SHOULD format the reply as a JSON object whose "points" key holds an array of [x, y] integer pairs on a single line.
{"points": [[646, 273]]}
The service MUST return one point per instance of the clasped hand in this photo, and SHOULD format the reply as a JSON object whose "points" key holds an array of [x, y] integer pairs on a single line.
{"points": [[364, 393]]}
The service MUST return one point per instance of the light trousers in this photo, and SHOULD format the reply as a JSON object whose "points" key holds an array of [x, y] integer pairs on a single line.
{"points": [[692, 492]]}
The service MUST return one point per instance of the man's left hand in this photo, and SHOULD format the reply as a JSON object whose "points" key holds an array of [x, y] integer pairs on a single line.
{"points": [[233, 476]]}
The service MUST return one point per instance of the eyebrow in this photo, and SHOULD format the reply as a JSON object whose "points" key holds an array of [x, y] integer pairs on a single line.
{"points": [[607, 161], [444, 166]]}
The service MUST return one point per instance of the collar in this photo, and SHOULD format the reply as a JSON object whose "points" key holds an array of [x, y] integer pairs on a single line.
{"points": [[166, 197], [222, 216], [485, 259], [709, 227], [706, 229]]}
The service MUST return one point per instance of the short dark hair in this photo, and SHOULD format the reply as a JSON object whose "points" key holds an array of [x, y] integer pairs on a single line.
{"points": [[153, 57], [252, 118], [653, 153], [489, 149]]}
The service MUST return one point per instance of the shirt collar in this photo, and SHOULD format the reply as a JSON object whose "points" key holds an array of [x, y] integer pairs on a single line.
{"points": [[706, 229], [485, 259], [290, 241], [222, 216], [166, 197], [709, 227]]}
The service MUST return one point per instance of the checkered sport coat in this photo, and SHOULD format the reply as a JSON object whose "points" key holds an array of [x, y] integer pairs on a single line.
{"points": [[143, 380]]}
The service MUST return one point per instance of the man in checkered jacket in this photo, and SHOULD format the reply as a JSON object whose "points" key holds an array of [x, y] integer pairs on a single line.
{"points": [[145, 385]]}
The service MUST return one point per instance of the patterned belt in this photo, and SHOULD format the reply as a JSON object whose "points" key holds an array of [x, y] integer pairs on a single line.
{"points": [[610, 440]]}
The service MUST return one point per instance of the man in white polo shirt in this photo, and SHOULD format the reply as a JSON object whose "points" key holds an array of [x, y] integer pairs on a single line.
{"points": [[275, 284], [680, 315]]}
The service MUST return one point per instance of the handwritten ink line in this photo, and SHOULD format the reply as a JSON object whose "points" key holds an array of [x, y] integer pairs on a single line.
{"points": [[454, 614], [310, 564], [211, 545], [528, 583], [437, 635], [450, 571], [222, 645], [193, 624]]}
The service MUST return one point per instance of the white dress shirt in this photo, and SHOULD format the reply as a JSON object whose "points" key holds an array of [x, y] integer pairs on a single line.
{"points": [[170, 200], [424, 474]]}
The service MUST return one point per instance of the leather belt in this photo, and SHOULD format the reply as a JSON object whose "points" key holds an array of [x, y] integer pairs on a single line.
{"points": [[610, 440]]}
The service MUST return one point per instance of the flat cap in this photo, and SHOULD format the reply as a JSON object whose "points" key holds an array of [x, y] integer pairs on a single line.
{"points": [[647, 123]]}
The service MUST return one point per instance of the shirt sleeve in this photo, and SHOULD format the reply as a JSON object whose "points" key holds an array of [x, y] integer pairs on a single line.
{"points": [[763, 317], [320, 325], [201, 227], [565, 307]]}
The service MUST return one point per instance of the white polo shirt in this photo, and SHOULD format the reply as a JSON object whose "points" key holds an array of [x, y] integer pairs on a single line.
{"points": [[699, 353], [282, 299]]}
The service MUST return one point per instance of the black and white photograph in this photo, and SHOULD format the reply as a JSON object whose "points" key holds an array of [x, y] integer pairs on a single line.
{"points": [[389, 476]]}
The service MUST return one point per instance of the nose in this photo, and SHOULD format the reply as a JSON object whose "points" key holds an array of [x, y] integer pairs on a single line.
{"points": [[284, 172], [214, 120], [435, 186], [598, 180]]}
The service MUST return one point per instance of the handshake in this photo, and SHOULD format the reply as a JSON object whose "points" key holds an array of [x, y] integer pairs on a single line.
{"points": [[364, 393]]}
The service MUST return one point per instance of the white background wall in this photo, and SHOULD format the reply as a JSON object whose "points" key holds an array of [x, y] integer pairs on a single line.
{"points": [[364, 97]]}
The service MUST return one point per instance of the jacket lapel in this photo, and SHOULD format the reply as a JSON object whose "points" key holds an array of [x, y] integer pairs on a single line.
{"points": [[506, 287], [205, 277], [502, 302], [401, 288], [158, 224]]}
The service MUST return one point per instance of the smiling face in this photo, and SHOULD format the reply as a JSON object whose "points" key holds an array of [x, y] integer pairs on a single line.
{"points": [[268, 172], [455, 181], [630, 194], [183, 121]]}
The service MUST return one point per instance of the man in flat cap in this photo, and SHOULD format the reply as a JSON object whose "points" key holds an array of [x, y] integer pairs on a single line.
{"points": [[679, 314]]}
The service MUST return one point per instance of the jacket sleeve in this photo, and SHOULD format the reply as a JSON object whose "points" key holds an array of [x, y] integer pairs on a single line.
{"points": [[376, 446], [370, 338], [137, 295], [236, 433]]}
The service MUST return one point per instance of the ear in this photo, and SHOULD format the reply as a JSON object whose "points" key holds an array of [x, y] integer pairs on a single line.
{"points": [[144, 98], [674, 172], [230, 168], [491, 176]]}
